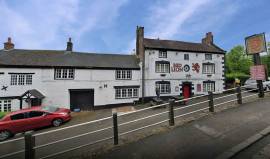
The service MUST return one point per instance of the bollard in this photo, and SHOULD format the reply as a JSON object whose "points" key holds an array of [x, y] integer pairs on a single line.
{"points": [[260, 88], [239, 95], [171, 112], [211, 101], [29, 145], [115, 129]]}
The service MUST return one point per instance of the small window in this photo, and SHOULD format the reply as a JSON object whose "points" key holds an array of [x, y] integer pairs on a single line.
{"points": [[208, 56], [186, 56], [209, 86], [21, 79], [126, 93], [208, 68], [163, 87], [5, 105], [33, 114], [17, 116], [63, 73], [162, 67], [162, 54], [123, 74], [28, 80]]}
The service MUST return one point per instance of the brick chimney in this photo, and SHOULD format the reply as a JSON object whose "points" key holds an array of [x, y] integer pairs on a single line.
{"points": [[8, 45], [69, 45], [139, 42], [209, 39]]}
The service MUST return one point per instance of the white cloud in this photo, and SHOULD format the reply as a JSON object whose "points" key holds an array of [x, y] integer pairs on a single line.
{"points": [[189, 19], [47, 24]]}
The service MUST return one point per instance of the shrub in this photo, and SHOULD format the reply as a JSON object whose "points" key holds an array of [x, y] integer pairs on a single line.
{"points": [[230, 77], [2, 114]]}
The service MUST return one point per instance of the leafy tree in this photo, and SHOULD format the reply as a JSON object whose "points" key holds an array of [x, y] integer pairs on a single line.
{"points": [[237, 61]]}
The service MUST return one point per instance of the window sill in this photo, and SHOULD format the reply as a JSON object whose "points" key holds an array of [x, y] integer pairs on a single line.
{"points": [[127, 98]]}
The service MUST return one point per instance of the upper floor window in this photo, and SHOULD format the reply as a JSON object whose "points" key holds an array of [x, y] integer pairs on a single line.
{"points": [[64, 73], [21, 79], [186, 56], [209, 86], [208, 68], [162, 54], [208, 56], [124, 74], [162, 67]]}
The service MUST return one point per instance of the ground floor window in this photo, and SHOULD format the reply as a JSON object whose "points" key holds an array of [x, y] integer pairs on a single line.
{"points": [[126, 92], [209, 86], [163, 87], [5, 105]]}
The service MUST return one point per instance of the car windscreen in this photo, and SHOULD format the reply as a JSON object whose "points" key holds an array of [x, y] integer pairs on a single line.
{"points": [[50, 108]]}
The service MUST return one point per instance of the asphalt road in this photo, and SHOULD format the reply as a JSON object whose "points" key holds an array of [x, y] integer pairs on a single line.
{"points": [[206, 138], [87, 151]]}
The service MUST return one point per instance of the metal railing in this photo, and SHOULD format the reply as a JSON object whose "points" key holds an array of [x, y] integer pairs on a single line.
{"points": [[29, 139]]}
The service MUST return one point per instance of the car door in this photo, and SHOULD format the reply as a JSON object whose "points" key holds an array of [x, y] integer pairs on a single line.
{"points": [[37, 119], [19, 122]]}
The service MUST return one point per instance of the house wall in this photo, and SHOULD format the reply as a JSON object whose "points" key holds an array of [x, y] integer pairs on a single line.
{"points": [[56, 92], [176, 78]]}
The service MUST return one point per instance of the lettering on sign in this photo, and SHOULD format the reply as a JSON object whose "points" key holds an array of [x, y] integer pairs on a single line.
{"points": [[177, 67], [257, 72]]}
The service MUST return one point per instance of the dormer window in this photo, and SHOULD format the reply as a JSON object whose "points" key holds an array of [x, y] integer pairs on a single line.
{"points": [[162, 54]]}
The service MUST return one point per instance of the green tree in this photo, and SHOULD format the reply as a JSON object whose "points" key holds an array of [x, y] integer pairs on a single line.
{"points": [[237, 61], [266, 59]]}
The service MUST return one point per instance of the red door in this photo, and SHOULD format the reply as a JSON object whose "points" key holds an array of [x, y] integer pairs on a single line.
{"points": [[186, 91]]}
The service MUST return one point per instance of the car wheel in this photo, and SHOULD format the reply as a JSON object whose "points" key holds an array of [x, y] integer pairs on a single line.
{"points": [[4, 134], [57, 122]]}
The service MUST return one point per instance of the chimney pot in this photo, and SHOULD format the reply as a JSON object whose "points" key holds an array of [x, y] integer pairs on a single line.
{"points": [[69, 45], [8, 45]]}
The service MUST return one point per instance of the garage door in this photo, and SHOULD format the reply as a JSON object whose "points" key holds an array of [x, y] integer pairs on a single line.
{"points": [[82, 99]]}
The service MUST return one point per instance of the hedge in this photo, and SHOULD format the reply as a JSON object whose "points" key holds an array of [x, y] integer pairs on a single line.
{"points": [[230, 77]]}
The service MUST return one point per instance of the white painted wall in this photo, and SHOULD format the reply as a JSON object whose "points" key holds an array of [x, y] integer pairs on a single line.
{"points": [[176, 78], [57, 91]]}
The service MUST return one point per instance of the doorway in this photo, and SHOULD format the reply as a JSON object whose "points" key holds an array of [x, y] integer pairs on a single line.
{"points": [[82, 99], [186, 89]]}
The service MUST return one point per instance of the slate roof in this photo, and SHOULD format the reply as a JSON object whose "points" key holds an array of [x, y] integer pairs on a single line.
{"points": [[181, 46], [56, 58]]}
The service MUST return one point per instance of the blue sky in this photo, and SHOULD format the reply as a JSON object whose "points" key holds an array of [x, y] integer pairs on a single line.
{"points": [[108, 26]]}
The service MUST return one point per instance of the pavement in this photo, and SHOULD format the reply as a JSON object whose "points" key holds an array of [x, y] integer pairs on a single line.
{"points": [[90, 151], [208, 137]]}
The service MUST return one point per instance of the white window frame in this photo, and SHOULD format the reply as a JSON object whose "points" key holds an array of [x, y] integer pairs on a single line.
{"points": [[162, 54], [5, 105], [64, 73], [162, 67], [208, 56], [123, 74], [125, 93], [208, 68], [164, 88], [208, 86], [21, 79]]}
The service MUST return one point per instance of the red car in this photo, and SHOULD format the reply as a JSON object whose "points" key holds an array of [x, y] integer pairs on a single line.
{"points": [[30, 119]]}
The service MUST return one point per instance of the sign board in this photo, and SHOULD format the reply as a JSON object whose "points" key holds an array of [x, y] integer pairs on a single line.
{"points": [[255, 44], [257, 72]]}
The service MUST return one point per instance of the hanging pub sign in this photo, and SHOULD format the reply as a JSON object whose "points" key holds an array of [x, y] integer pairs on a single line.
{"points": [[255, 44], [257, 72]]}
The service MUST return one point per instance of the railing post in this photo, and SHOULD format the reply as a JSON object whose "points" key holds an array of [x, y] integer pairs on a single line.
{"points": [[260, 88], [171, 112], [115, 129], [211, 101], [29, 145], [239, 95]]}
